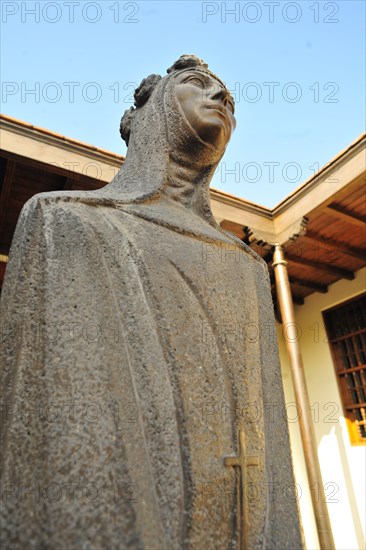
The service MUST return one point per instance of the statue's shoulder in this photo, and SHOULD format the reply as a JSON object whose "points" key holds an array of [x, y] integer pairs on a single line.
{"points": [[69, 202], [54, 199], [58, 211], [247, 249]]}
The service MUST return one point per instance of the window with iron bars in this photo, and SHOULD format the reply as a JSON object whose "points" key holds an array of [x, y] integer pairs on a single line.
{"points": [[346, 330]]}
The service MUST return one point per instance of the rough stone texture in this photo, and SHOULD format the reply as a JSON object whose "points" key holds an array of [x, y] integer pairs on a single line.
{"points": [[138, 339]]}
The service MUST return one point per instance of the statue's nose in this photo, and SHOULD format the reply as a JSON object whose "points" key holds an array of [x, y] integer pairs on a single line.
{"points": [[221, 95]]}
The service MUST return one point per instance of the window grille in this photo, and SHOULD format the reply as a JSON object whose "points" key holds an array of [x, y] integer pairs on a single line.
{"points": [[346, 330]]}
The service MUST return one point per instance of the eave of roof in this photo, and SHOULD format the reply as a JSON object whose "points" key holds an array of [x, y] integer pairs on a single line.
{"points": [[280, 211], [328, 168], [7, 120]]}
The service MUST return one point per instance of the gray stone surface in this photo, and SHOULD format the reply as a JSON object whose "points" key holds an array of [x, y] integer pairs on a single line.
{"points": [[138, 340]]}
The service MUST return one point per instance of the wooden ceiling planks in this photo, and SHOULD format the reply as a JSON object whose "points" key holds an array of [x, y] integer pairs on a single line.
{"points": [[355, 201], [333, 246], [344, 214]]}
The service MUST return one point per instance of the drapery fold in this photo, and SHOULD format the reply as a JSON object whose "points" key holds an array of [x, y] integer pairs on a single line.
{"points": [[133, 357]]}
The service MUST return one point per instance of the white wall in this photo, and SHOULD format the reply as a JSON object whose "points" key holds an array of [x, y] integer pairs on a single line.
{"points": [[343, 465]]}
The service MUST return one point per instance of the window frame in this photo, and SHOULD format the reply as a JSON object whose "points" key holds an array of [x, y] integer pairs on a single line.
{"points": [[349, 415]]}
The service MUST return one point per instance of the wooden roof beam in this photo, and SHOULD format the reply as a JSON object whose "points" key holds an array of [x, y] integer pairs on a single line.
{"points": [[326, 268], [315, 287], [331, 245], [346, 215]]}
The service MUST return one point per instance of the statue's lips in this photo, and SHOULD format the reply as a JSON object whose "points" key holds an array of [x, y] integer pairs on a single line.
{"points": [[219, 110]]}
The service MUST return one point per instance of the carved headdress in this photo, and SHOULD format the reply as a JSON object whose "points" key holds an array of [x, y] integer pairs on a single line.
{"points": [[145, 89], [157, 133]]}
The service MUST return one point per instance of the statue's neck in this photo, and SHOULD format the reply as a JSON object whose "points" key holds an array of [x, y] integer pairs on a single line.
{"points": [[170, 160], [186, 185]]}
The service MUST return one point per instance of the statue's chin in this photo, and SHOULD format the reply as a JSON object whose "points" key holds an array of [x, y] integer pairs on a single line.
{"points": [[203, 138], [212, 127], [216, 136]]}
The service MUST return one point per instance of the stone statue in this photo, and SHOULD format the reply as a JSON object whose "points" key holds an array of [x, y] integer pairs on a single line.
{"points": [[142, 396]]}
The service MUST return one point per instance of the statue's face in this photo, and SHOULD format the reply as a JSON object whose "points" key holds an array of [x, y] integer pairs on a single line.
{"points": [[207, 105]]}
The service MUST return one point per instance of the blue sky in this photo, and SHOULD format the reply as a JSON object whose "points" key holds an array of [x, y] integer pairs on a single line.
{"points": [[296, 70]]}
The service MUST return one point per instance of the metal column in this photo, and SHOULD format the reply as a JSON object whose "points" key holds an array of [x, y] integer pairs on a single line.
{"points": [[302, 399]]}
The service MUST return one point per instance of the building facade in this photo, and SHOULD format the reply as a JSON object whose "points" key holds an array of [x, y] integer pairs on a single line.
{"points": [[321, 230]]}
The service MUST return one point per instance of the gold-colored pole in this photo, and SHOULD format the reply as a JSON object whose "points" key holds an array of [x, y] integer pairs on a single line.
{"points": [[302, 399]]}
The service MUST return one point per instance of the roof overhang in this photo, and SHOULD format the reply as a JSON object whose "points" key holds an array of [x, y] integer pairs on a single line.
{"points": [[72, 164]]}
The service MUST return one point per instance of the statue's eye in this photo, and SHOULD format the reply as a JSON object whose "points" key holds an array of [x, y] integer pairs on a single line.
{"points": [[197, 81]]}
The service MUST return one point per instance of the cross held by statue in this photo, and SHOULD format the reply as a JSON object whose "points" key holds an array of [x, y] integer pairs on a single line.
{"points": [[243, 462]]}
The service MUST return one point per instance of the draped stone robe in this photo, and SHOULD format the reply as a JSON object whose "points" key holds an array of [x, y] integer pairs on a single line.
{"points": [[137, 341], [134, 356]]}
